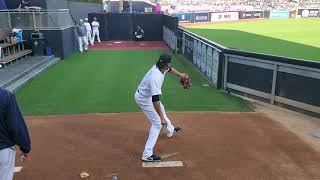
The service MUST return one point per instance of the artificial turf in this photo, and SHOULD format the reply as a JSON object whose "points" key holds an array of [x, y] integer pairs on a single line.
{"points": [[105, 81], [296, 38]]}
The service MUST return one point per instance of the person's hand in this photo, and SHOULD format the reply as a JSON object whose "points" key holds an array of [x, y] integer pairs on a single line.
{"points": [[163, 122], [185, 81], [25, 157]]}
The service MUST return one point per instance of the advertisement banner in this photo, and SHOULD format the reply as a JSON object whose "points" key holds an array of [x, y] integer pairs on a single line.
{"points": [[279, 14], [170, 38], [199, 55], [188, 49], [266, 14], [203, 58], [246, 15], [183, 44], [209, 62], [257, 14], [293, 14], [215, 67], [185, 17], [225, 16], [201, 17], [195, 51], [251, 14], [308, 13]]}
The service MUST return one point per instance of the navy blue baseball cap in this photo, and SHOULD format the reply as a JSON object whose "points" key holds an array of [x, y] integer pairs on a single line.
{"points": [[164, 58]]}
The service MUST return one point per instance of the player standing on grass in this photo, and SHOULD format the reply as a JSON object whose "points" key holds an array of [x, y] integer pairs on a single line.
{"points": [[82, 33]]}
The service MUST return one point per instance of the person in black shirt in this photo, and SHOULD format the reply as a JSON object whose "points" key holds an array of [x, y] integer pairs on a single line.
{"points": [[25, 3], [139, 34]]}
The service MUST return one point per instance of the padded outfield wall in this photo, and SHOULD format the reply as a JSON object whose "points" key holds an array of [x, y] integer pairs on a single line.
{"points": [[235, 15], [287, 82], [121, 26]]}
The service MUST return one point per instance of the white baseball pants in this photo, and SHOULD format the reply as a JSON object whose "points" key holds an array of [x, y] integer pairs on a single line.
{"points": [[89, 38], [7, 160], [83, 41], [146, 106], [95, 33]]}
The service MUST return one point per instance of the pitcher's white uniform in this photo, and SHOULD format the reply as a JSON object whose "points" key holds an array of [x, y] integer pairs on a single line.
{"points": [[150, 86], [95, 28]]}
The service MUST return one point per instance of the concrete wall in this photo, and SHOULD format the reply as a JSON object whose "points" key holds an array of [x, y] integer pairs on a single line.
{"points": [[64, 42], [121, 26]]}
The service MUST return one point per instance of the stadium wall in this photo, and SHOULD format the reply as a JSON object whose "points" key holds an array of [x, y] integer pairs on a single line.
{"points": [[292, 83], [63, 42], [111, 29], [235, 15]]}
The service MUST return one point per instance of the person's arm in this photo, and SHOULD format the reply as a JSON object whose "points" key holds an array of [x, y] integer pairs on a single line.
{"points": [[156, 105], [176, 72], [156, 92], [17, 127]]}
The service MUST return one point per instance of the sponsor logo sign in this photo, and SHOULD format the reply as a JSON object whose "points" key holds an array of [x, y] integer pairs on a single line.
{"points": [[225, 16]]}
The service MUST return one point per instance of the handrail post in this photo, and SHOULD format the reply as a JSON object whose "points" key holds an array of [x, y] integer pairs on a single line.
{"points": [[34, 20]]}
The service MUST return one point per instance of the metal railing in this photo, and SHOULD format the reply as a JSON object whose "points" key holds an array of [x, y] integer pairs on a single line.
{"points": [[30, 19]]}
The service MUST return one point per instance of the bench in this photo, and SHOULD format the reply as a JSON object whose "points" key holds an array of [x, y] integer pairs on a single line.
{"points": [[9, 59], [4, 33], [11, 52]]}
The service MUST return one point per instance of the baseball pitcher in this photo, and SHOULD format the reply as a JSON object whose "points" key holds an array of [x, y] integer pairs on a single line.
{"points": [[147, 97]]}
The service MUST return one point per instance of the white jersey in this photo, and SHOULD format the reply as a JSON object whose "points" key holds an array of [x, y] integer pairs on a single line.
{"points": [[88, 27], [151, 83], [95, 25]]}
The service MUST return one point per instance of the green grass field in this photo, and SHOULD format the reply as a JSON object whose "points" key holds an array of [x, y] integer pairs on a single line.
{"points": [[297, 38], [105, 81]]}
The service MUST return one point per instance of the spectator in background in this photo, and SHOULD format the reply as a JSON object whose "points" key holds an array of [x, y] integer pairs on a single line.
{"points": [[13, 131], [158, 8], [82, 33], [139, 34], [24, 4]]}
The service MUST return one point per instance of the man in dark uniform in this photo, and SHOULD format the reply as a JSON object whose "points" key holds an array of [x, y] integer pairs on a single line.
{"points": [[25, 3], [13, 131], [139, 34]]}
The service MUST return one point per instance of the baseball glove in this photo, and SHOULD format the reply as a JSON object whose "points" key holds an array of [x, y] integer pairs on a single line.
{"points": [[186, 82]]}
